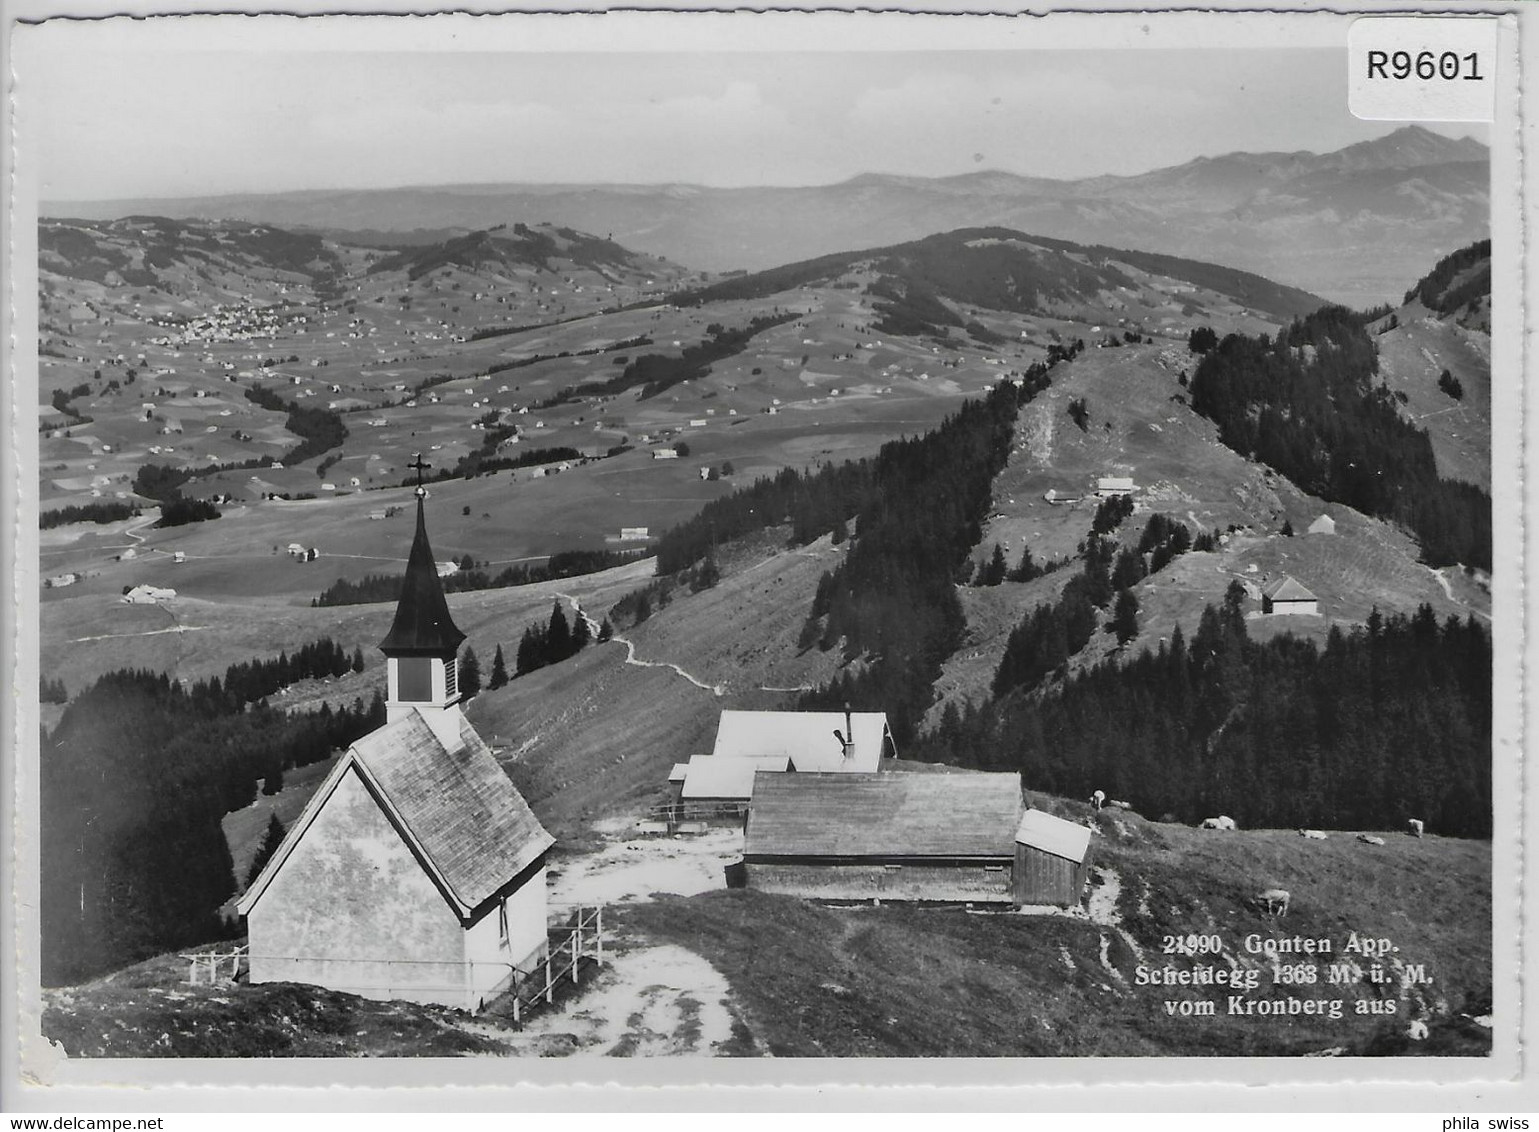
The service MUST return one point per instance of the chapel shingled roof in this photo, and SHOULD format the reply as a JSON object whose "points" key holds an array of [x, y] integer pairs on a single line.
{"points": [[454, 806], [422, 623]]}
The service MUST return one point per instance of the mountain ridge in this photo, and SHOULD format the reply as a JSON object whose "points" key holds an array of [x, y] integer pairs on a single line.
{"points": [[1351, 224]]}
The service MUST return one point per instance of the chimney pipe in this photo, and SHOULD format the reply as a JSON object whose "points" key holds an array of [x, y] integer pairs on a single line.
{"points": [[849, 732]]}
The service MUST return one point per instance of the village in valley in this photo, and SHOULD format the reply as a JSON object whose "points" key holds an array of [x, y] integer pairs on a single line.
{"points": [[470, 633]]}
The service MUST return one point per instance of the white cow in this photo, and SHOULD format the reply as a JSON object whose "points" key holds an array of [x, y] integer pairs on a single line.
{"points": [[1416, 827], [1098, 799], [1276, 901], [1313, 834], [1417, 1031], [1117, 804], [1220, 822], [1370, 839]]}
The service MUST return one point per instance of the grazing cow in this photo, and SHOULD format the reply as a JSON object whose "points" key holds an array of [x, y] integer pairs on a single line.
{"points": [[1370, 839], [1220, 822], [1098, 799], [1313, 834], [1276, 901], [1117, 804], [1417, 1031], [1416, 827]]}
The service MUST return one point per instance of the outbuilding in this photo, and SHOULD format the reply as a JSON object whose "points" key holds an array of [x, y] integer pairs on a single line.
{"points": [[1324, 525], [1286, 595], [148, 595], [1052, 860]]}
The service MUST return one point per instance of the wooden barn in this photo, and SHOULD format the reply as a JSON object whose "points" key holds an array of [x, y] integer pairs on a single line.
{"points": [[1286, 595], [908, 837], [416, 871], [1052, 860]]}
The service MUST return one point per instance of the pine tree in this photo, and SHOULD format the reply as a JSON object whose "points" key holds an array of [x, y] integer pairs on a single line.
{"points": [[531, 652], [558, 636], [581, 634], [995, 571], [358, 660], [270, 842], [499, 671], [1125, 621], [606, 631], [470, 674], [1026, 569]]}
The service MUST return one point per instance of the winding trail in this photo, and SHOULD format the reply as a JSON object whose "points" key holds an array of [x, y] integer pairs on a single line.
{"points": [[630, 651], [1448, 591]]}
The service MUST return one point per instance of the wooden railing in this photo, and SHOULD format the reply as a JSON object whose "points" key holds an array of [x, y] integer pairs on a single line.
{"points": [[213, 962], [568, 946], [675, 812]]}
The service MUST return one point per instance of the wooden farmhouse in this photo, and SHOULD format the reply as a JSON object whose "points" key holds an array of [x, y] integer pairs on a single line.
{"points": [[1052, 860], [1287, 596], [751, 741], [416, 871], [834, 741], [890, 836]]}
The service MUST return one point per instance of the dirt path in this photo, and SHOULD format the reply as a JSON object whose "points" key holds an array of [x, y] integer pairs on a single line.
{"points": [[630, 651], [649, 1001]]}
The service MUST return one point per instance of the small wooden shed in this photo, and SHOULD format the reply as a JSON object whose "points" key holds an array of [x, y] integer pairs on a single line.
{"points": [[1287, 596], [1052, 860], [883, 836]]}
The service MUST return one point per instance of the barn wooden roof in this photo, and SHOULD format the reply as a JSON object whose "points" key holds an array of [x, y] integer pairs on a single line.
{"points": [[1041, 830], [1288, 589], [883, 815], [455, 808], [422, 624], [805, 737]]}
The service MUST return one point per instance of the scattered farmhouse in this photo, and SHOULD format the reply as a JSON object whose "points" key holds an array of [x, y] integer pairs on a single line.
{"points": [[148, 595], [918, 837], [1287, 596], [633, 534], [416, 871], [1108, 486], [1052, 860], [1324, 525], [665, 453]]}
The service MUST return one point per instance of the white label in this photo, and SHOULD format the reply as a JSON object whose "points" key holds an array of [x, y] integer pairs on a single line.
{"points": [[1422, 68]]}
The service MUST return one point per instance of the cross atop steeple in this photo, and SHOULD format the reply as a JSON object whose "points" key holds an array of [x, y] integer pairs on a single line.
{"points": [[421, 467]]}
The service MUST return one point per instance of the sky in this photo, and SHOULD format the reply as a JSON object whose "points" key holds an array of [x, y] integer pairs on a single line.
{"points": [[113, 123]]}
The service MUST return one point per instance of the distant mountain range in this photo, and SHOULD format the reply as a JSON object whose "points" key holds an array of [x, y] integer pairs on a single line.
{"points": [[1351, 225]]}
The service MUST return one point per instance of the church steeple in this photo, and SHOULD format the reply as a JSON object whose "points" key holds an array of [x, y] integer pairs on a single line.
{"points": [[423, 641]]}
